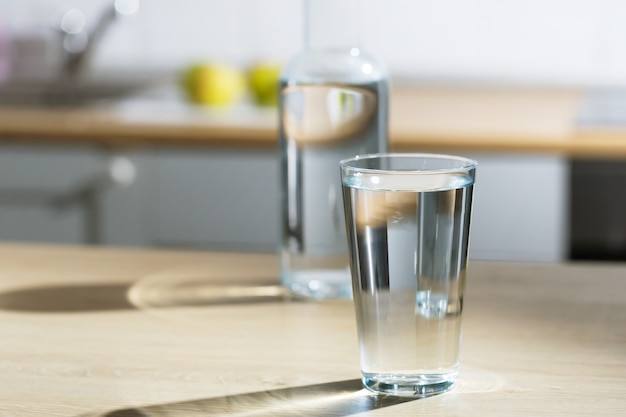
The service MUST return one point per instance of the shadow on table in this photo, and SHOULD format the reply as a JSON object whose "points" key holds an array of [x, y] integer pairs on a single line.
{"points": [[334, 399], [67, 298], [77, 298]]}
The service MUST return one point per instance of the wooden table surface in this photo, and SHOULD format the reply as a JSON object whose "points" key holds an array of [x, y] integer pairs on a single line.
{"points": [[422, 118], [119, 332]]}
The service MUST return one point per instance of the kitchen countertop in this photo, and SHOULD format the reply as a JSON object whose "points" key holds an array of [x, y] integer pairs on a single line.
{"points": [[121, 332], [428, 118]]}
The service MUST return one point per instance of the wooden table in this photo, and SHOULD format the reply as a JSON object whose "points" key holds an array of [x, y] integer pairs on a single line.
{"points": [[118, 332]]}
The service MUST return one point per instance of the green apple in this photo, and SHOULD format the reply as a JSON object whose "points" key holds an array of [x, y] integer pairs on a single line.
{"points": [[213, 84], [263, 79]]}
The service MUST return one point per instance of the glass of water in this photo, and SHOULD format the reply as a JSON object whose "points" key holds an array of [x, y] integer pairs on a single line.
{"points": [[408, 222]]}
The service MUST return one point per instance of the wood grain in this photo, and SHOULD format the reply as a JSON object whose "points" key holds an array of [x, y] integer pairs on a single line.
{"points": [[199, 333]]}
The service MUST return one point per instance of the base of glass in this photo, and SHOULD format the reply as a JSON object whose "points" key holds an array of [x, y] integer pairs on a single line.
{"points": [[318, 284], [409, 385]]}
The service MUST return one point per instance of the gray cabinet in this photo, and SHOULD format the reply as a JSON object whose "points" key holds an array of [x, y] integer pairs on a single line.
{"points": [[217, 198], [35, 183], [227, 198], [72, 194], [520, 208]]}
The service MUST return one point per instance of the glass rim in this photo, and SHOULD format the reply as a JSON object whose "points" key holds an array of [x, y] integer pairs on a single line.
{"points": [[469, 163]]}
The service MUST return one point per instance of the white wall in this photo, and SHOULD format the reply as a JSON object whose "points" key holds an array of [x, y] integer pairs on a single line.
{"points": [[529, 41]]}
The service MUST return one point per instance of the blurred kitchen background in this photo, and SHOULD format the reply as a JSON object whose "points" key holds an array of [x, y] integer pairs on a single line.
{"points": [[578, 42], [529, 206]]}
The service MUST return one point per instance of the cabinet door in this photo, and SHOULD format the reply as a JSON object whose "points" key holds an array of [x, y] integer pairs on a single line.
{"points": [[520, 208], [217, 198], [127, 215], [35, 187], [598, 218]]}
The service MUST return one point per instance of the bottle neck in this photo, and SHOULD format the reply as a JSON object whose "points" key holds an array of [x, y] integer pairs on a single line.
{"points": [[331, 25]]}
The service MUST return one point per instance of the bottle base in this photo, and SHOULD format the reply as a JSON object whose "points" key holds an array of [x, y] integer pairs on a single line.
{"points": [[318, 284]]}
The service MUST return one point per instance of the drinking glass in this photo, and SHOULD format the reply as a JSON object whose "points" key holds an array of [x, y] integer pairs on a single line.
{"points": [[408, 224]]}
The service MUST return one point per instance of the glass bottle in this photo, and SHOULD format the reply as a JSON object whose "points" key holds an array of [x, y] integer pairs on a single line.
{"points": [[333, 105]]}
